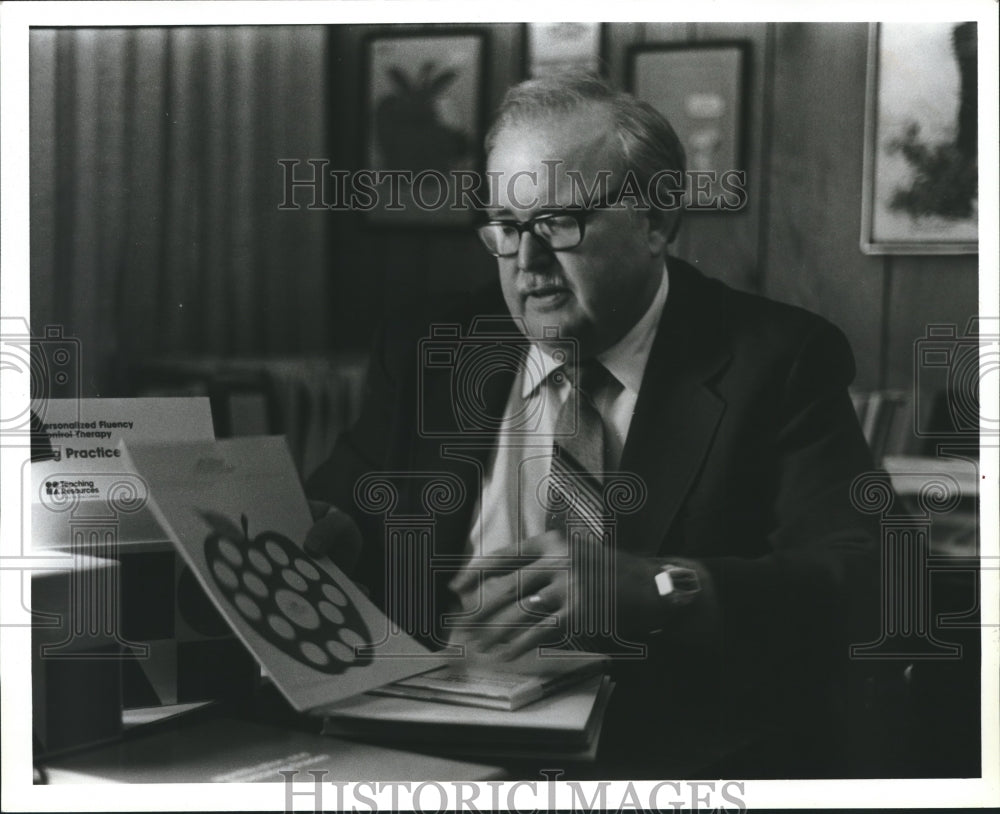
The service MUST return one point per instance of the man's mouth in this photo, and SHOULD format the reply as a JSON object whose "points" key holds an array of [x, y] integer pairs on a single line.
{"points": [[546, 296]]}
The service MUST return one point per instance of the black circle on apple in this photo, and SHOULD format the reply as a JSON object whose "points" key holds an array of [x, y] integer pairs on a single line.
{"points": [[291, 614]]}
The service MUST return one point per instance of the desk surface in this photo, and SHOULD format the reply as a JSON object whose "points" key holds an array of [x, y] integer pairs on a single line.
{"points": [[227, 749], [213, 745]]}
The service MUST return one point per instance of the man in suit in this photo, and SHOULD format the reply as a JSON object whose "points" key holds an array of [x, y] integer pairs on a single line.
{"points": [[739, 565]]}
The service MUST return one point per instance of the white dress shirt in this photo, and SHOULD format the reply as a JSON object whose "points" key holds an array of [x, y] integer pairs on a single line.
{"points": [[508, 511]]}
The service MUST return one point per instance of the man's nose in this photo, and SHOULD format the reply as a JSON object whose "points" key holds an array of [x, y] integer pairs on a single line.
{"points": [[533, 252]]}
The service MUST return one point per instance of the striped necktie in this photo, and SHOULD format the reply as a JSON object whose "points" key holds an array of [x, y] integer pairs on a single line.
{"points": [[578, 448]]}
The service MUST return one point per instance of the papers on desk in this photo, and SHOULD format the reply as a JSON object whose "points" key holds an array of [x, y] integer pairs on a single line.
{"points": [[152, 716], [911, 474]]}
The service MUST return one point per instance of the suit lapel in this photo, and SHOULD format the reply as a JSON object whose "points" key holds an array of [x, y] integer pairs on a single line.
{"points": [[677, 412]]}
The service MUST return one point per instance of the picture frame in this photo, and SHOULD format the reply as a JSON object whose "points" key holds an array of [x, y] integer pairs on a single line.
{"points": [[554, 47], [700, 88], [920, 183], [424, 116]]}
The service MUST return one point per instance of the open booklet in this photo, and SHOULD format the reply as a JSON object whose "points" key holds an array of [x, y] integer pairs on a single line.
{"points": [[236, 512]]}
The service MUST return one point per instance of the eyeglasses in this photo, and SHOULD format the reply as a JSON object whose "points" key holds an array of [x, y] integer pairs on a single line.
{"points": [[559, 230]]}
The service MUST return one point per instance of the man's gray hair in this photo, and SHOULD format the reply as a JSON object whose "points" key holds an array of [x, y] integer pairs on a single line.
{"points": [[647, 142]]}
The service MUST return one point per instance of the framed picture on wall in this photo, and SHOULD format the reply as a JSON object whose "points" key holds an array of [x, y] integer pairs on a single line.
{"points": [[700, 89], [423, 114], [920, 192], [556, 47]]}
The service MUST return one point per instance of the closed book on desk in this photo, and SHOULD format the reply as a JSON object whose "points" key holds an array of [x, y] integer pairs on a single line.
{"points": [[570, 720], [491, 687]]}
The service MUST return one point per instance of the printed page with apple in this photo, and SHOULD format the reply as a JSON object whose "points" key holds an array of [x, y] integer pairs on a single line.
{"points": [[236, 512]]}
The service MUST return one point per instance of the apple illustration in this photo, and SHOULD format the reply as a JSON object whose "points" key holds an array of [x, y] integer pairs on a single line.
{"points": [[285, 596], [408, 124]]}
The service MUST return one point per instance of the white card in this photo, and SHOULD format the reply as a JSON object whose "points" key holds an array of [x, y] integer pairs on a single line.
{"points": [[90, 481]]}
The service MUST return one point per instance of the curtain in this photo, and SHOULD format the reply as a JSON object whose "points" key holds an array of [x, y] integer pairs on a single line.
{"points": [[155, 188]]}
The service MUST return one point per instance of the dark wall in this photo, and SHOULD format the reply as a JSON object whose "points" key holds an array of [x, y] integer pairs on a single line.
{"points": [[379, 270], [155, 184], [797, 240]]}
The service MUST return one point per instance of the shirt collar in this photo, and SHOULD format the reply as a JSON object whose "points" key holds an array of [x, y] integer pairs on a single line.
{"points": [[625, 360]]}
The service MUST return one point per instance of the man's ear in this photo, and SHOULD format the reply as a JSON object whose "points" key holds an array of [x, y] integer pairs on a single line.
{"points": [[664, 213], [662, 227]]}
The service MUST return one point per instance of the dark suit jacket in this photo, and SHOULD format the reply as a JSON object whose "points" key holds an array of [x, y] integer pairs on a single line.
{"points": [[747, 441]]}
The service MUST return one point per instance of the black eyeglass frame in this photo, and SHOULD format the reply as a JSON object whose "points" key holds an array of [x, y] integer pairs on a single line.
{"points": [[579, 214]]}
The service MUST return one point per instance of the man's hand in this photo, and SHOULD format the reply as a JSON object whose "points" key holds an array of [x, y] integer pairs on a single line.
{"points": [[524, 596], [334, 535]]}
